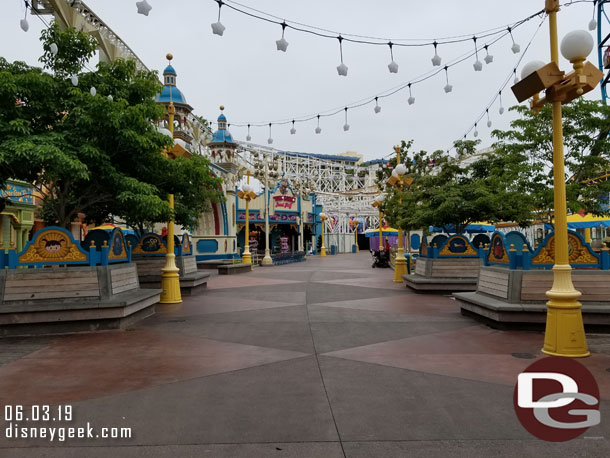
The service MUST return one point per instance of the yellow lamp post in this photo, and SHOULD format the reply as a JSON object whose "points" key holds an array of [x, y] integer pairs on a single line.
{"points": [[247, 194], [323, 219], [377, 204], [354, 223], [564, 335], [397, 180], [170, 277]]}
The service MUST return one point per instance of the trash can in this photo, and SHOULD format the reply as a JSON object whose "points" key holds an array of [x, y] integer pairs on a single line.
{"points": [[333, 249], [354, 248]]}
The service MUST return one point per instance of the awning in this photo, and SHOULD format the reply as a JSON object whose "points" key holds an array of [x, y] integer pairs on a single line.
{"points": [[385, 231], [578, 221]]}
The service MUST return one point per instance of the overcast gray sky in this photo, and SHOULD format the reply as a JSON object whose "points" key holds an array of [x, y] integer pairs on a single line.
{"points": [[243, 71]]}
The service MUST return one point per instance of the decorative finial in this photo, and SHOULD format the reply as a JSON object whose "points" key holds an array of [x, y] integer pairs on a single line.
{"points": [[222, 107], [169, 56]]}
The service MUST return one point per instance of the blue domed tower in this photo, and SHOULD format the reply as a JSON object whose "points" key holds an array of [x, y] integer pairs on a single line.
{"points": [[222, 145], [171, 93]]}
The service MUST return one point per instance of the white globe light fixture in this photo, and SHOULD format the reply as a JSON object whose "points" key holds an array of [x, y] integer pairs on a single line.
{"points": [[576, 45], [531, 67], [400, 169]]}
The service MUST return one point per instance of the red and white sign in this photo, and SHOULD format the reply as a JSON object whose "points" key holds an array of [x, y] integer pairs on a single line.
{"points": [[284, 201]]}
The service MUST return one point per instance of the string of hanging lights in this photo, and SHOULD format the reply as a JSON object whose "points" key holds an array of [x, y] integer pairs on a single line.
{"points": [[377, 107], [282, 44], [498, 94]]}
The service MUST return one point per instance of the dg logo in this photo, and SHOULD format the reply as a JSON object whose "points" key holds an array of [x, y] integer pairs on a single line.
{"points": [[557, 399]]}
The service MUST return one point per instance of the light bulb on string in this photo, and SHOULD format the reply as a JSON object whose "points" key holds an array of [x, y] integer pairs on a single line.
{"points": [[248, 137], [501, 109], [392, 66], [74, 80], [476, 132], [377, 108], [478, 66], [515, 48], [411, 99], [143, 7], [488, 57], [346, 125], [341, 68], [25, 26], [318, 129], [217, 27], [516, 78], [110, 97], [448, 87], [293, 130], [436, 60], [488, 119], [282, 44], [270, 140], [93, 91], [53, 48]]}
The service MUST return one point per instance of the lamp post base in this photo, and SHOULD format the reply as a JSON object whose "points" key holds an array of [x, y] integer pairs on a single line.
{"points": [[267, 261], [246, 258], [322, 252], [400, 266], [170, 282], [565, 332]]}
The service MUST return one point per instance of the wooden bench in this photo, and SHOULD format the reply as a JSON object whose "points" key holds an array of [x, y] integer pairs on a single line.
{"points": [[230, 269], [444, 274], [516, 298], [59, 300]]}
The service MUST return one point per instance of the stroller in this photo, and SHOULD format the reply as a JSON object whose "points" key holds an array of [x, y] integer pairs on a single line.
{"points": [[381, 258]]}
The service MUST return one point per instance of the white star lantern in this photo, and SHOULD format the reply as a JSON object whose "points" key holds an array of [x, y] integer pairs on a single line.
{"points": [[293, 131], [592, 24], [342, 69], [436, 60], [377, 108], [53, 48], [476, 132], [489, 59], [478, 66], [515, 48], [218, 28], [270, 140], [281, 44], [448, 88], [74, 80], [489, 123], [318, 130], [346, 127], [411, 100], [24, 25], [143, 7], [248, 138], [393, 67], [501, 110]]}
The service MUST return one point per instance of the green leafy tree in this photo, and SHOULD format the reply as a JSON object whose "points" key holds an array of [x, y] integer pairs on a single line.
{"points": [[586, 125], [94, 154]]}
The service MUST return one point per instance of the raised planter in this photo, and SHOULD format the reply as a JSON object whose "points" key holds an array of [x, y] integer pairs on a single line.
{"points": [[516, 298], [454, 266], [231, 269], [511, 290], [54, 286], [149, 255], [72, 299]]}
